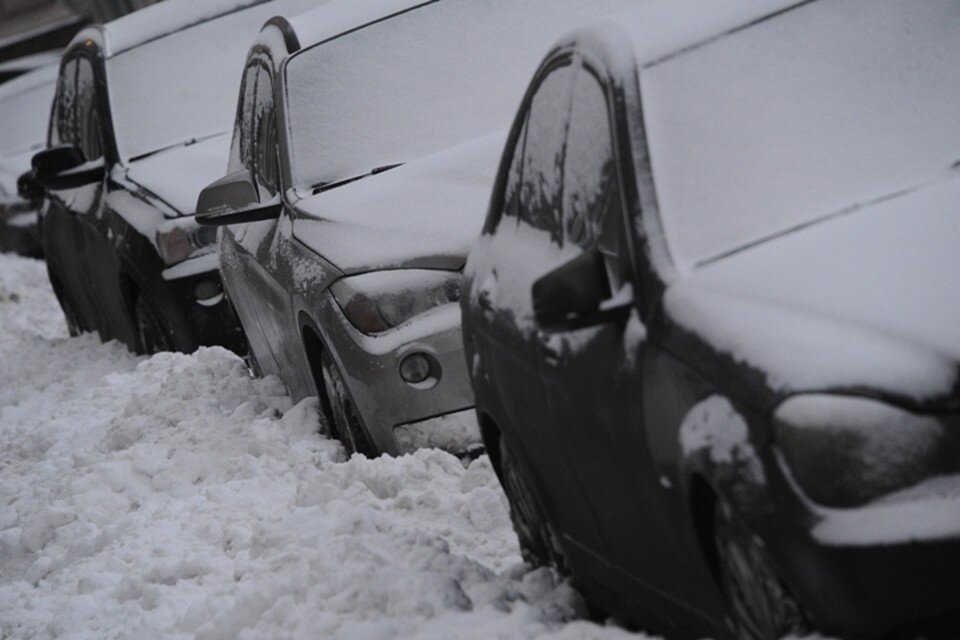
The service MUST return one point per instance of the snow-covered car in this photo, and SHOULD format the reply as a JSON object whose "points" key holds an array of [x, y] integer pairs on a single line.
{"points": [[343, 265], [17, 67], [140, 124], [714, 317], [24, 115]]}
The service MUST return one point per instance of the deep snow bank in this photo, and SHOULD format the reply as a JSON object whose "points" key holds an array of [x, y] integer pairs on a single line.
{"points": [[175, 496]]}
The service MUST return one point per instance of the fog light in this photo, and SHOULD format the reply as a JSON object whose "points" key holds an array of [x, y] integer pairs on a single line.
{"points": [[208, 292], [415, 368]]}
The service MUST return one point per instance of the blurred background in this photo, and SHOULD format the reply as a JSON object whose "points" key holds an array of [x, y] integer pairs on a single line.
{"points": [[33, 29]]}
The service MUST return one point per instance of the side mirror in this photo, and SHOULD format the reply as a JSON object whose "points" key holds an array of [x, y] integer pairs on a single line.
{"points": [[65, 167], [54, 160], [576, 295], [28, 187], [234, 199]]}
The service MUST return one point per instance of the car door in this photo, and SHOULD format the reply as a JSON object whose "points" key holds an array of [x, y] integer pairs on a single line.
{"points": [[593, 376], [522, 247], [244, 274], [84, 267], [95, 222], [259, 251], [273, 255]]}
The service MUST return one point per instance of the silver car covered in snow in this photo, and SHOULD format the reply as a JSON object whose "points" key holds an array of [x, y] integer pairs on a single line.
{"points": [[367, 137]]}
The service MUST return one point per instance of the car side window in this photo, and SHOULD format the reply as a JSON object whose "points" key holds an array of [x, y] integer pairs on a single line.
{"points": [[64, 127], [265, 136], [511, 187], [245, 144], [89, 136], [542, 178], [592, 203]]}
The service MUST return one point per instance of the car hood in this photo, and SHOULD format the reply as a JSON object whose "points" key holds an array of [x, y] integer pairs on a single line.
{"points": [[177, 175], [424, 214], [869, 299]]}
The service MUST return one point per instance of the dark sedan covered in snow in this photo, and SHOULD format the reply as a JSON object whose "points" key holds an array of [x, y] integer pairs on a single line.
{"points": [[344, 266], [140, 124], [713, 319]]}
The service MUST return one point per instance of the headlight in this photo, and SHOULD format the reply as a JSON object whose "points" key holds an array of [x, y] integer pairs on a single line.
{"points": [[845, 451], [183, 238], [375, 302]]}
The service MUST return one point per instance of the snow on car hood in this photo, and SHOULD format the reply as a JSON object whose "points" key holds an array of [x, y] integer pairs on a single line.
{"points": [[425, 214], [178, 175], [866, 299]]}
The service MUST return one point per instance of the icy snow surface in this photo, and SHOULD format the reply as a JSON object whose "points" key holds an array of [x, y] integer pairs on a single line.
{"points": [[177, 497]]}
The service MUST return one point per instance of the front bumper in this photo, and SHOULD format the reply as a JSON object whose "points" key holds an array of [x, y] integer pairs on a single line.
{"points": [[20, 231], [887, 569], [201, 320], [390, 407]]}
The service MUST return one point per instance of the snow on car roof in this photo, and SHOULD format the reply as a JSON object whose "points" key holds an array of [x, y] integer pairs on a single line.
{"points": [[31, 62], [25, 107], [661, 28], [339, 16], [158, 20], [28, 81]]}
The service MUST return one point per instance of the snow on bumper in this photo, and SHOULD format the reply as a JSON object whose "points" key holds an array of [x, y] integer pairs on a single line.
{"points": [[455, 432]]}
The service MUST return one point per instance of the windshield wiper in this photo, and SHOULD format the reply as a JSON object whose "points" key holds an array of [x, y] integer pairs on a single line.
{"points": [[183, 143], [320, 187]]}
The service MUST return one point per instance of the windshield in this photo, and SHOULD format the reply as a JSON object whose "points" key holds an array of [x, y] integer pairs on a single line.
{"points": [[185, 85], [817, 110], [425, 80], [25, 116]]}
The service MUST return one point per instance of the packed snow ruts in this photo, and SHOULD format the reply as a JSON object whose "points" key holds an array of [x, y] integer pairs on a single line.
{"points": [[176, 496]]}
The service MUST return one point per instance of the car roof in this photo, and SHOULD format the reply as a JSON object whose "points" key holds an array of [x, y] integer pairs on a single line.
{"points": [[30, 80], [660, 29], [156, 21], [340, 16]]}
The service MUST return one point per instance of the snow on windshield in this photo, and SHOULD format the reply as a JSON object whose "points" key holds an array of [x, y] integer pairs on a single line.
{"points": [[160, 96], [425, 80], [24, 120], [824, 107]]}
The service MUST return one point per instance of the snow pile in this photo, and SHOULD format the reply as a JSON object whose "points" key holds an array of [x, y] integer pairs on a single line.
{"points": [[176, 496]]}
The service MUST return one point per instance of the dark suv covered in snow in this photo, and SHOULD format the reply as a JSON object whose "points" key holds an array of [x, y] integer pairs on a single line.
{"points": [[139, 125], [713, 319]]}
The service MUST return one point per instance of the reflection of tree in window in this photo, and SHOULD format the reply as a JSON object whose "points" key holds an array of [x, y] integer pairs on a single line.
{"points": [[511, 189], [543, 153], [245, 115], [265, 133], [88, 139], [65, 131], [591, 194]]}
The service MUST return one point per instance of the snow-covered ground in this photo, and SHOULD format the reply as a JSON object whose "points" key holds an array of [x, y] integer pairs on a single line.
{"points": [[174, 496]]}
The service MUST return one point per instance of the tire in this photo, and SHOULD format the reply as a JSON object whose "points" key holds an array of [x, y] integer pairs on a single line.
{"points": [[70, 315], [343, 422], [538, 544], [74, 326], [759, 604], [153, 336]]}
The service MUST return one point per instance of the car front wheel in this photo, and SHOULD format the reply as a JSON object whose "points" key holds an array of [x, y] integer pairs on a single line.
{"points": [[759, 604], [152, 333], [538, 543], [343, 422]]}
